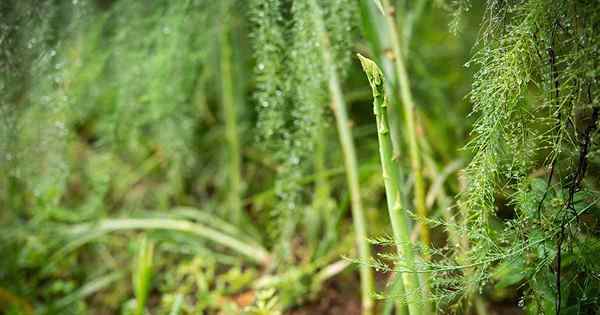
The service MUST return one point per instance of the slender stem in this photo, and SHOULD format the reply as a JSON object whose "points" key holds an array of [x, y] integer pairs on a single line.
{"points": [[231, 128], [349, 155], [398, 216], [408, 106]]}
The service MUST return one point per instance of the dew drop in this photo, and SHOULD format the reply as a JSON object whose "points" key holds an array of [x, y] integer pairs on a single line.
{"points": [[60, 125]]}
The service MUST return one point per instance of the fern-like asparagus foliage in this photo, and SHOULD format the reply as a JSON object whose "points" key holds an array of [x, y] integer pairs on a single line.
{"points": [[536, 100]]}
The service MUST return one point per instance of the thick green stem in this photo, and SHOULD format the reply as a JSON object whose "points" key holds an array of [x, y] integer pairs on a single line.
{"points": [[349, 155], [398, 216], [231, 127], [408, 107]]}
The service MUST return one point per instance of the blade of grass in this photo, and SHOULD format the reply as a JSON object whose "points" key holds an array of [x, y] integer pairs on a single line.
{"points": [[142, 275], [86, 290], [398, 216], [255, 252]]}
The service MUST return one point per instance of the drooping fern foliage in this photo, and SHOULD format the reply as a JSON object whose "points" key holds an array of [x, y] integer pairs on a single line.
{"points": [[291, 98], [117, 102], [271, 35], [32, 158], [299, 47], [529, 208]]}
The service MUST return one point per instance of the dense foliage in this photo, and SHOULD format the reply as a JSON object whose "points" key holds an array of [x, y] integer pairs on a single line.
{"points": [[223, 157]]}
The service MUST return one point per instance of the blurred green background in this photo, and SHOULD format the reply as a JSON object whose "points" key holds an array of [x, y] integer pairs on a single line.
{"points": [[143, 172]]}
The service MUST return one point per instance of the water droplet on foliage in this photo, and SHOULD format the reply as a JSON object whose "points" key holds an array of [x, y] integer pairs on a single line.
{"points": [[60, 125], [261, 67]]}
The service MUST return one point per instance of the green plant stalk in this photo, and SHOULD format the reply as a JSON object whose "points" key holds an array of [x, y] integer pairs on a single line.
{"points": [[231, 127], [376, 33], [408, 107], [398, 216], [349, 155]]}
